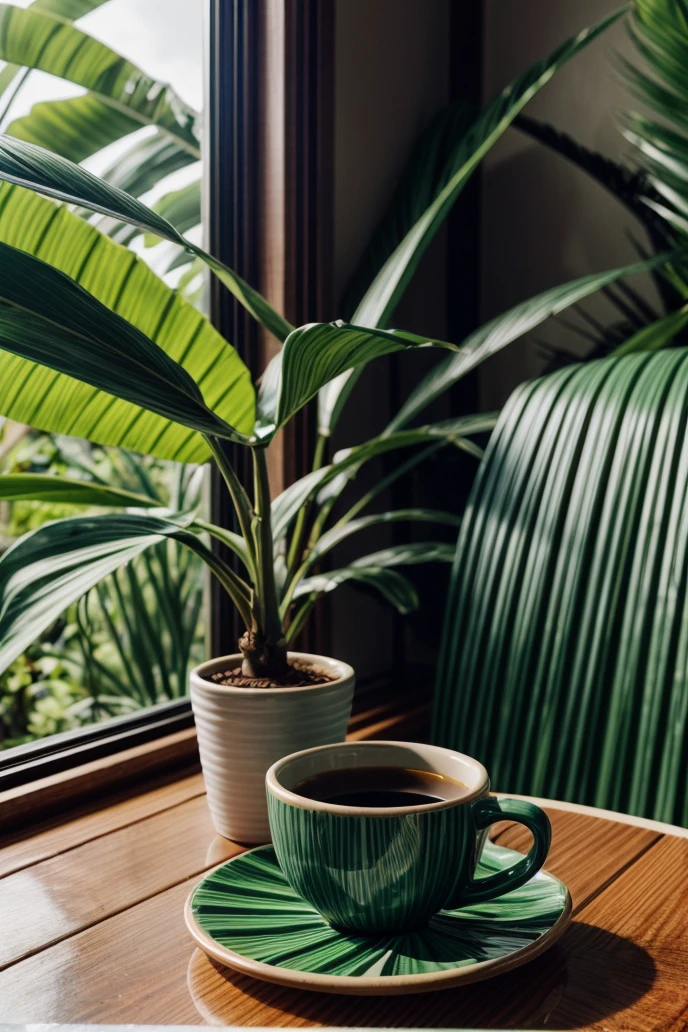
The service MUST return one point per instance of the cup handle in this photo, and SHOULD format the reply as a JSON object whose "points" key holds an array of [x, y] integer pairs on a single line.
{"points": [[487, 811]]}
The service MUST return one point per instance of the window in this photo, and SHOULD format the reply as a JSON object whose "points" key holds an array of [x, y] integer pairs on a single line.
{"points": [[130, 641]]}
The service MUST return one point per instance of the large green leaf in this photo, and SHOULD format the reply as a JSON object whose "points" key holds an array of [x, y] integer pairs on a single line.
{"points": [[49, 319], [467, 150], [504, 329], [36, 168], [314, 354], [564, 658], [39, 487], [124, 283], [47, 570], [69, 10], [121, 97]]}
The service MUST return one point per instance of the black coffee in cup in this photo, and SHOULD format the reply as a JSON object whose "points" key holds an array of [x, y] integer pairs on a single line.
{"points": [[380, 786]]}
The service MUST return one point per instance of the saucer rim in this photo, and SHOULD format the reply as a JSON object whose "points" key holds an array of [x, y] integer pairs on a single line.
{"points": [[371, 985]]}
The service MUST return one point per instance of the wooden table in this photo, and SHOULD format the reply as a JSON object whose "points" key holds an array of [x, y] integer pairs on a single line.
{"points": [[91, 930]]}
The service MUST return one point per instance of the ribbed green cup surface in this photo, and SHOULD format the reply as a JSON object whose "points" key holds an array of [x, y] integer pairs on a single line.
{"points": [[375, 873]]}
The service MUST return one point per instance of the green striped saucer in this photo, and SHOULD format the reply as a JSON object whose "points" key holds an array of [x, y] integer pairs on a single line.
{"points": [[246, 916]]}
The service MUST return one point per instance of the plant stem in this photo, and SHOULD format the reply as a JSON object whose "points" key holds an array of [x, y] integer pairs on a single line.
{"points": [[298, 537], [263, 646], [300, 617], [242, 504], [262, 531]]}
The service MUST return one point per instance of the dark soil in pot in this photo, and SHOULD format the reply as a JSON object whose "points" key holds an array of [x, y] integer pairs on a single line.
{"points": [[298, 676]]}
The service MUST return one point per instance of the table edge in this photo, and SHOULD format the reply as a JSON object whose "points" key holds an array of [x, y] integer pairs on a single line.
{"points": [[610, 815]]}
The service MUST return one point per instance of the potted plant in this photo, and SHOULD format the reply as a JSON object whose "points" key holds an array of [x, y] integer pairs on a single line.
{"points": [[156, 377], [264, 701]]}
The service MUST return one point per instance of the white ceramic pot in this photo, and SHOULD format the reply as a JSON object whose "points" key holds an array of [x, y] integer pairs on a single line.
{"points": [[243, 731]]}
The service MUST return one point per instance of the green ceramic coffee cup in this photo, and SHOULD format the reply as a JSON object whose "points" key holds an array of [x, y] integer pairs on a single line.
{"points": [[374, 870]]}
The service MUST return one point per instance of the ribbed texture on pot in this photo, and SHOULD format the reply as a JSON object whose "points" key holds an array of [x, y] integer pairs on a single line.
{"points": [[243, 731]]}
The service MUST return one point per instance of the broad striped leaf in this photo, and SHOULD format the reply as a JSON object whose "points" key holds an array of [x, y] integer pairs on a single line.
{"points": [[77, 127], [45, 571], [124, 283], [121, 97], [47, 318], [383, 295], [36, 168], [39, 487], [393, 586], [564, 657], [505, 329], [314, 354], [69, 10]]}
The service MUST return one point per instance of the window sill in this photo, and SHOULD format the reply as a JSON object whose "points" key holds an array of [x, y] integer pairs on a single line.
{"points": [[405, 716]]}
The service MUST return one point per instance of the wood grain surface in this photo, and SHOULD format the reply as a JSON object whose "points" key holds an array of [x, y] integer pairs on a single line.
{"points": [[93, 929]]}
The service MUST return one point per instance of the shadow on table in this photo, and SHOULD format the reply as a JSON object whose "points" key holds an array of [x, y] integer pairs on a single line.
{"points": [[589, 975]]}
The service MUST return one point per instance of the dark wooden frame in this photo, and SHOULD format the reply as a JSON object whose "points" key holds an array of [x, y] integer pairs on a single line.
{"points": [[269, 206]]}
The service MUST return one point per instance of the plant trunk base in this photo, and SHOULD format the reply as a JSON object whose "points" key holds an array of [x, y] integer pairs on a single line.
{"points": [[263, 659]]}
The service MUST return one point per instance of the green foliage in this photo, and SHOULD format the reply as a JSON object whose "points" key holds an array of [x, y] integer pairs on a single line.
{"points": [[135, 375], [564, 658], [111, 277], [132, 639]]}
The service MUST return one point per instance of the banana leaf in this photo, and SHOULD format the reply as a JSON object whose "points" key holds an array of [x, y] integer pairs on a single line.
{"points": [[121, 98], [314, 354], [38, 169], [118, 279]]}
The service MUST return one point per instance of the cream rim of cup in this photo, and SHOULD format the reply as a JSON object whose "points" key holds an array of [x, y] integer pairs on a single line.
{"points": [[290, 770]]}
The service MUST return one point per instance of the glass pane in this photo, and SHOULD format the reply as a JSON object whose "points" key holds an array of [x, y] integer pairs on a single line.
{"points": [[130, 641]]}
